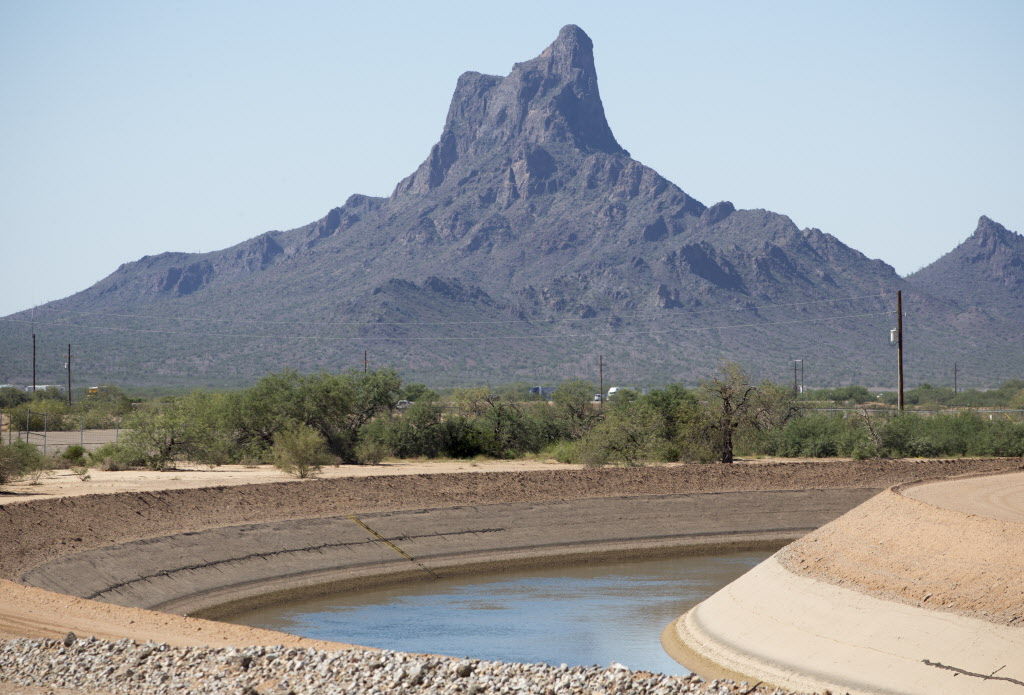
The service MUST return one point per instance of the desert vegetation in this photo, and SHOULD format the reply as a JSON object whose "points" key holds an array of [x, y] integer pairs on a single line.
{"points": [[48, 409], [302, 422]]}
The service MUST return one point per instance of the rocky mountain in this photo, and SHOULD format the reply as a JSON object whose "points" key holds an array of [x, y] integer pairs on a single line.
{"points": [[527, 243], [986, 270]]}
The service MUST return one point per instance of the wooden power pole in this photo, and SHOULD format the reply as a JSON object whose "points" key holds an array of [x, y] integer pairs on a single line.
{"points": [[69, 373], [899, 347], [600, 379], [33, 363]]}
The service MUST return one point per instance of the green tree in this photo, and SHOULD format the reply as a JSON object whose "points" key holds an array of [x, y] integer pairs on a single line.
{"points": [[155, 435], [339, 405], [260, 412]]}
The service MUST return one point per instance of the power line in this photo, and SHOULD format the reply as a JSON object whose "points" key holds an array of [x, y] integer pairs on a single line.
{"points": [[661, 314], [537, 336]]}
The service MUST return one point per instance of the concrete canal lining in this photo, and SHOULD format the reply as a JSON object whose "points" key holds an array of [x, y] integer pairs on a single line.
{"points": [[208, 550], [899, 595]]}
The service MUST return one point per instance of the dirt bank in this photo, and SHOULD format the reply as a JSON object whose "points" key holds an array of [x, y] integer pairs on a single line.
{"points": [[34, 533], [201, 571], [65, 483], [948, 559]]}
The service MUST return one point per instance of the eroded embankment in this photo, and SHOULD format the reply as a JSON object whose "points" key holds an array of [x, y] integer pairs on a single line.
{"points": [[217, 570], [32, 533]]}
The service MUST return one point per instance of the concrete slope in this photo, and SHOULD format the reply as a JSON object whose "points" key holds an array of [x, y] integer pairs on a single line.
{"points": [[897, 596], [224, 569]]}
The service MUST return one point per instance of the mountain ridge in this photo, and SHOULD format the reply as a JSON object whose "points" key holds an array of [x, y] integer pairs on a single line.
{"points": [[526, 213]]}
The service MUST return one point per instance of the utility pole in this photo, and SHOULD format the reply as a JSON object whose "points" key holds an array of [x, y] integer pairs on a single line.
{"points": [[955, 389], [33, 351], [69, 373], [365, 361], [796, 387], [600, 380], [899, 347]]}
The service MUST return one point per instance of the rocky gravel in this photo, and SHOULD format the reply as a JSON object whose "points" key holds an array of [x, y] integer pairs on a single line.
{"points": [[128, 667]]}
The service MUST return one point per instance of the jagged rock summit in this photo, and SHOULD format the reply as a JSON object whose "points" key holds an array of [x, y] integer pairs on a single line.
{"points": [[986, 269], [526, 242], [552, 99]]}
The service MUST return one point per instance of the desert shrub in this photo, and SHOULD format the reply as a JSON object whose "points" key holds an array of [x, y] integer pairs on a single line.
{"points": [[817, 435], [574, 408], [462, 439], [42, 414], [74, 454], [19, 459], [675, 404], [109, 457], [300, 450], [564, 451], [630, 434], [863, 436], [416, 392], [424, 430], [419, 431], [339, 405], [11, 397], [903, 436], [507, 430], [207, 434], [1001, 438], [155, 436], [369, 452]]}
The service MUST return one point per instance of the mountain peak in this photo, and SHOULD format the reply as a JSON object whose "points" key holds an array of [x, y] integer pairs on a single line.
{"points": [[990, 229], [550, 99], [986, 268], [572, 50]]}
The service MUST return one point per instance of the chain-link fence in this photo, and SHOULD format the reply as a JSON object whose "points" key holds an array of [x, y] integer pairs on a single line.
{"points": [[1011, 414], [37, 429]]}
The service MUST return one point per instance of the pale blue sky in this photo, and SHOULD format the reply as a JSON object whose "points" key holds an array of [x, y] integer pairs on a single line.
{"points": [[132, 128]]}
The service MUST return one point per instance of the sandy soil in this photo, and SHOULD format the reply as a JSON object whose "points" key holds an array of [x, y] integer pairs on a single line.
{"points": [[961, 550], [64, 483], [995, 497]]}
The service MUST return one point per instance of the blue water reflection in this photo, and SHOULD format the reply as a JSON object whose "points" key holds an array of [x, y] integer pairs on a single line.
{"points": [[580, 615]]}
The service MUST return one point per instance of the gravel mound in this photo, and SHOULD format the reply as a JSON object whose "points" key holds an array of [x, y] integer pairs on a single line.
{"points": [[127, 667]]}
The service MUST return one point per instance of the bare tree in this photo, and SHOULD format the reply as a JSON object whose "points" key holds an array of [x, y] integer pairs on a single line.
{"points": [[732, 404]]}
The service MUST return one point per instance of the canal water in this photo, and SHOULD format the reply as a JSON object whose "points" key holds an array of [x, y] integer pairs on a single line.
{"points": [[579, 615]]}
